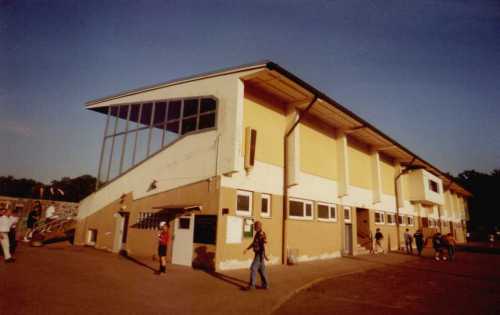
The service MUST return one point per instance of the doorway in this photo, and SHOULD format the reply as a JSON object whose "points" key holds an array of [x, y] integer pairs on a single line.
{"points": [[348, 239], [121, 229], [363, 227], [182, 248]]}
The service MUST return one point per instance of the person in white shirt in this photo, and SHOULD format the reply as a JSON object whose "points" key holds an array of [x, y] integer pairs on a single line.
{"points": [[5, 224], [50, 212]]}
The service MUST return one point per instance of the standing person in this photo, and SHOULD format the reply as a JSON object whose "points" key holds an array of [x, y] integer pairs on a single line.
{"points": [[163, 239], [33, 218], [438, 246], [378, 241], [5, 223], [419, 241], [14, 218], [408, 242], [451, 246], [258, 264]]}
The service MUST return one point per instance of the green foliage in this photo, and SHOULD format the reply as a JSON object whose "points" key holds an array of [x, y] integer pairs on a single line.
{"points": [[483, 205], [75, 189]]}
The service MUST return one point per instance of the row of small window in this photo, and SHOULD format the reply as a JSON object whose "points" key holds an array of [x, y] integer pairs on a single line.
{"points": [[390, 218], [149, 220], [297, 209]]}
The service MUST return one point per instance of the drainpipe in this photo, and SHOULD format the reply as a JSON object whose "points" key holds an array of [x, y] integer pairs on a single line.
{"points": [[406, 170], [285, 180]]}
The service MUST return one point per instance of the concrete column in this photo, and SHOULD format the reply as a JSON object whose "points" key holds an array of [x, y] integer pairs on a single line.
{"points": [[293, 149], [376, 177], [343, 165]]}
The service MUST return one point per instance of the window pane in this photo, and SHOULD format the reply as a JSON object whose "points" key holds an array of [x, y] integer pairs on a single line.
{"points": [[347, 214], [172, 132], [190, 107], [333, 215], [105, 159], [147, 110], [296, 208], [142, 145], [115, 160], [156, 138], [160, 109], [243, 203], [184, 223], [188, 125], [122, 121], [129, 150], [308, 210], [323, 212], [112, 120], [174, 110], [207, 121], [264, 206], [134, 115], [207, 105]]}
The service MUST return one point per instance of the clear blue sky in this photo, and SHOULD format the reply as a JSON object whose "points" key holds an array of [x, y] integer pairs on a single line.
{"points": [[425, 72]]}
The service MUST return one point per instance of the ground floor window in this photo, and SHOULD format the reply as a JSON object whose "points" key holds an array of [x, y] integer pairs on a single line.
{"points": [[391, 218], [401, 220], [347, 214], [327, 212], [244, 203], [379, 217], [300, 209], [409, 220], [265, 205]]}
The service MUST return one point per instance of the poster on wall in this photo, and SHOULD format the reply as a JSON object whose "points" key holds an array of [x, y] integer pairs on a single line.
{"points": [[234, 230]]}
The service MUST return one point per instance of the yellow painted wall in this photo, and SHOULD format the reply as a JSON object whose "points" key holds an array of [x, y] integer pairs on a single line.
{"points": [[387, 172], [318, 152], [360, 166], [313, 238], [270, 121]]}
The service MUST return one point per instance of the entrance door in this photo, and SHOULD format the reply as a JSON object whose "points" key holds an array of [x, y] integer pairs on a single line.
{"points": [[117, 240], [182, 249], [348, 239]]}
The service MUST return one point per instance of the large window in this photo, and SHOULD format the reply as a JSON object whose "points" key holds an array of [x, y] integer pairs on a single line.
{"points": [[136, 131], [391, 219], [265, 205], [433, 186], [300, 209], [327, 212], [409, 220], [379, 217], [244, 203]]}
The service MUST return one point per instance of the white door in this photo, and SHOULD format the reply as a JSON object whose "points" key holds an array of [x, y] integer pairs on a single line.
{"points": [[182, 250], [118, 237]]}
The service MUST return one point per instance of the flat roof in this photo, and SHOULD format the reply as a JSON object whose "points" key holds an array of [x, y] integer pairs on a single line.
{"points": [[292, 77]]}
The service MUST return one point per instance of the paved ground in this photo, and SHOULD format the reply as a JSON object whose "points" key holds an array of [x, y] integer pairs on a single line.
{"points": [[469, 285], [61, 279]]}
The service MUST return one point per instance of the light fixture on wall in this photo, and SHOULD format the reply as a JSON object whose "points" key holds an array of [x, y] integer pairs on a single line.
{"points": [[153, 185]]}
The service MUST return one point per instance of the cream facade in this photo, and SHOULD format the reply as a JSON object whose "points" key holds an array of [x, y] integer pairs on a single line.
{"points": [[274, 149]]}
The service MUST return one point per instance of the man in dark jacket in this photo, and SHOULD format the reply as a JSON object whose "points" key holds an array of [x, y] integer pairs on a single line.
{"points": [[419, 241], [258, 265]]}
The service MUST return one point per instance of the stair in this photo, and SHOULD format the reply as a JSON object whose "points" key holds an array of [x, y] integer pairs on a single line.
{"points": [[361, 250]]}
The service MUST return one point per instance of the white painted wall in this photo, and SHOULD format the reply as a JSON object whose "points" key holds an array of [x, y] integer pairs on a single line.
{"points": [[186, 161]]}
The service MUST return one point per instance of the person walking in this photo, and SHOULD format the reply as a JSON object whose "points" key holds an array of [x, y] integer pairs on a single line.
{"points": [[378, 241], [258, 264], [33, 218], [451, 246], [163, 239], [419, 241], [408, 242], [5, 223], [14, 218], [438, 247]]}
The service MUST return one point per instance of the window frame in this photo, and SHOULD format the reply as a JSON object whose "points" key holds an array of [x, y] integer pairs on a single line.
{"points": [[330, 206], [344, 208], [390, 215], [381, 216], [268, 197], [304, 203], [248, 194], [402, 222], [410, 220]]}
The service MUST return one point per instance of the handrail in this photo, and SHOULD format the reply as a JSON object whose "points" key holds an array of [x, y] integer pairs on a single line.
{"points": [[63, 218]]}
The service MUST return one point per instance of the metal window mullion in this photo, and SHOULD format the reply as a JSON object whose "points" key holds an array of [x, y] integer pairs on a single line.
{"points": [[137, 134], [181, 116], [125, 139], [198, 114], [150, 128], [112, 148], [102, 149], [164, 133]]}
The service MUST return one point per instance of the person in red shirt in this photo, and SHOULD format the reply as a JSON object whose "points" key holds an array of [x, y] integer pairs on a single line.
{"points": [[163, 239]]}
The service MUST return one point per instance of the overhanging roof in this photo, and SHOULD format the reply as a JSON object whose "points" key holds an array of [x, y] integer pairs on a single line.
{"points": [[293, 90]]}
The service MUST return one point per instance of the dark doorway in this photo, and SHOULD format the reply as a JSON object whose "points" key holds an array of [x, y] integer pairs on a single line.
{"points": [[363, 236], [348, 239], [126, 216]]}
